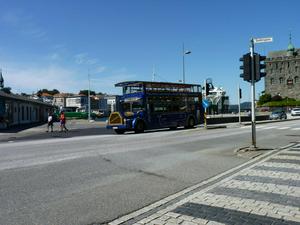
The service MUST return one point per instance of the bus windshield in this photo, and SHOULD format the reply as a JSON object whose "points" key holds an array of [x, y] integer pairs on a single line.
{"points": [[132, 106]]}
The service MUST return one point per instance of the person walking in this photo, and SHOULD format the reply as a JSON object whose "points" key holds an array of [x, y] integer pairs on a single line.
{"points": [[50, 121], [62, 119]]}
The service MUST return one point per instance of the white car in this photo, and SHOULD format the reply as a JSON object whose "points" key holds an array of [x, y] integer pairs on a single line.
{"points": [[295, 112]]}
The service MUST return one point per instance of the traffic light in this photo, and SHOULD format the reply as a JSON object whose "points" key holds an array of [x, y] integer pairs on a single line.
{"points": [[258, 59], [206, 89], [246, 67], [240, 93]]}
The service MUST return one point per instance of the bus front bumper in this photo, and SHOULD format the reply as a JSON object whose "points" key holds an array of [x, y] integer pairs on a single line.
{"points": [[116, 127]]}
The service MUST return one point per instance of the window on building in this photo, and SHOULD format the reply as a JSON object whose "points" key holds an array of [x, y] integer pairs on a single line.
{"points": [[296, 69], [23, 113], [280, 80], [288, 64], [280, 70], [272, 81], [27, 113], [296, 79]]}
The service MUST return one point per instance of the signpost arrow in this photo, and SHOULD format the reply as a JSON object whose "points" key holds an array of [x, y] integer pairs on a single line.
{"points": [[205, 103]]}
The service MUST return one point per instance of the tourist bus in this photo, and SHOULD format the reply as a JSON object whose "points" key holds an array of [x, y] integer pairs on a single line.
{"points": [[153, 105]]}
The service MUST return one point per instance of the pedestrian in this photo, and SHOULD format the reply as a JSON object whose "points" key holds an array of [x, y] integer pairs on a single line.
{"points": [[50, 121], [62, 119]]}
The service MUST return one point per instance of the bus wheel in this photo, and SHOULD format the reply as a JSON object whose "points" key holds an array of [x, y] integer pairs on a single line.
{"points": [[118, 131], [139, 127], [191, 123]]}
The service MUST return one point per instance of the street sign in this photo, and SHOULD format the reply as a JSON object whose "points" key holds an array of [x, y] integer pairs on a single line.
{"points": [[205, 103], [261, 40]]}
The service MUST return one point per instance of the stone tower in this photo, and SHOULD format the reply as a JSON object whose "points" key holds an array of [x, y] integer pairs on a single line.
{"points": [[283, 72]]}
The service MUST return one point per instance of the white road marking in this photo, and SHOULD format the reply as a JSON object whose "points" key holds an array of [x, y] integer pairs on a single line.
{"points": [[283, 128], [268, 128]]}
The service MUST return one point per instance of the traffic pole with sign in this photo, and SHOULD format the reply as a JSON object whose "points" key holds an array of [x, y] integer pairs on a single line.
{"points": [[253, 80], [253, 146]]}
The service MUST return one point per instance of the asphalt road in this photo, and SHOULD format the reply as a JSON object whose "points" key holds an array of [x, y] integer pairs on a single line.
{"points": [[95, 179]]}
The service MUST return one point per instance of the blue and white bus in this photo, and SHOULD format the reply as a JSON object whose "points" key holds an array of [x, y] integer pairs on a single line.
{"points": [[152, 105]]}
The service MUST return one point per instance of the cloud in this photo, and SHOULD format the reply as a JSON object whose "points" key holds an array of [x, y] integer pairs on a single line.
{"points": [[23, 23], [54, 56], [83, 58], [30, 78], [99, 69], [51, 77]]}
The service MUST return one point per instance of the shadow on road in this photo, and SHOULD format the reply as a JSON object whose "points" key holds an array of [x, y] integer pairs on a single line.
{"points": [[57, 134]]}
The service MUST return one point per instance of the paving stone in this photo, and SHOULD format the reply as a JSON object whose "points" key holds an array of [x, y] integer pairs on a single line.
{"points": [[164, 217], [279, 169], [293, 161], [172, 214], [200, 221], [188, 223], [268, 197], [158, 222], [175, 220], [233, 216]]}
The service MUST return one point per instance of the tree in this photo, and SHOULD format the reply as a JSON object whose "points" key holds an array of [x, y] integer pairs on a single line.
{"points": [[53, 92], [264, 99], [86, 92], [7, 90]]}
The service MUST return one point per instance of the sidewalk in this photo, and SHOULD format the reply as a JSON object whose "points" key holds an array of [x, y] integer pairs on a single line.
{"points": [[264, 191]]}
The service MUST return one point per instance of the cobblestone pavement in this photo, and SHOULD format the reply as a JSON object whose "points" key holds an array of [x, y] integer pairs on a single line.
{"points": [[266, 192]]}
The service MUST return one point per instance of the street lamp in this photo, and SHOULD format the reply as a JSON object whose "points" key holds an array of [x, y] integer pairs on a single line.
{"points": [[184, 52], [89, 98]]}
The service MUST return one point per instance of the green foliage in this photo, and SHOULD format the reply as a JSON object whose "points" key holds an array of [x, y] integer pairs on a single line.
{"points": [[85, 92], [283, 103], [264, 99], [7, 90], [53, 92]]}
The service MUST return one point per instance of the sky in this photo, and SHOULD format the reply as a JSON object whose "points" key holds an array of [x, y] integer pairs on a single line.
{"points": [[56, 44]]}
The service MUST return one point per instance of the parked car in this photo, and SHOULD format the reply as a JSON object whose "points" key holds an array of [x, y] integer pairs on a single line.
{"points": [[295, 112], [278, 115]]}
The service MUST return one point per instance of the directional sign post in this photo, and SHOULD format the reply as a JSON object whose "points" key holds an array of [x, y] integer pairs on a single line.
{"points": [[205, 103]]}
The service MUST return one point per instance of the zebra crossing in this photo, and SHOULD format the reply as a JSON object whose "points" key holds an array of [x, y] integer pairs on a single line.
{"points": [[272, 127]]}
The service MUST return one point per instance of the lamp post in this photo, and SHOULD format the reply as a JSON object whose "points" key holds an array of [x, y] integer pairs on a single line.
{"points": [[184, 52], [89, 98]]}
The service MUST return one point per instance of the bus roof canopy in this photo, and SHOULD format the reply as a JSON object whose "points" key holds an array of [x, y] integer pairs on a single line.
{"points": [[153, 84]]}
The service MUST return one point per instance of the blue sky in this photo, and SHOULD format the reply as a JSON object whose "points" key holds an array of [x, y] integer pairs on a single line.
{"points": [[53, 44]]}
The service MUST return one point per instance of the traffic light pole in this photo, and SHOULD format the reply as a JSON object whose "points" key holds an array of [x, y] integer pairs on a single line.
{"points": [[239, 104], [205, 109], [253, 146]]}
